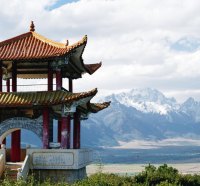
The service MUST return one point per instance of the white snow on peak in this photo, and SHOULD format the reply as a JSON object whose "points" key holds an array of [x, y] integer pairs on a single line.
{"points": [[147, 100]]}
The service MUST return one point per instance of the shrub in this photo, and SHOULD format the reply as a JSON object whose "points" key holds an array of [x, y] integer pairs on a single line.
{"points": [[153, 176]]}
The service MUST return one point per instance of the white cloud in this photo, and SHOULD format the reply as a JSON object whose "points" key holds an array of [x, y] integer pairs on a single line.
{"points": [[132, 38]]}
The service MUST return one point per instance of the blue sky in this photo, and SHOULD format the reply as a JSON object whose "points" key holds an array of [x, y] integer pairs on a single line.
{"points": [[59, 3], [141, 43]]}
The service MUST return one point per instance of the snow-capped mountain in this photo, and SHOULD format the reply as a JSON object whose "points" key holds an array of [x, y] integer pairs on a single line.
{"points": [[191, 108], [143, 114], [146, 100]]}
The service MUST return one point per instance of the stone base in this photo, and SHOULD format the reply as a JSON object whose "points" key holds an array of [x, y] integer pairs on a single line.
{"points": [[69, 176]]}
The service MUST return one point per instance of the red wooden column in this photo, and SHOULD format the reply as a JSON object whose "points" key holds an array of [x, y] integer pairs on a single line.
{"points": [[58, 79], [15, 146], [8, 90], [50, 88], [1, 77], [77, 130], [50, 78], [45, 139], [1, 89], [58, 87], [15, 136], [65, 132]]}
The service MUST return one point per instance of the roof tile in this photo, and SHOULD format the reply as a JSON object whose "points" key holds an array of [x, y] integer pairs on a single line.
{"points": [[34, 46], [43, 98]]}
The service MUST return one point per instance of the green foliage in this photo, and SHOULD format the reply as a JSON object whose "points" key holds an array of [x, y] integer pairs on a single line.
{"points": [[101, 179], [151, 176], [190, 180]]}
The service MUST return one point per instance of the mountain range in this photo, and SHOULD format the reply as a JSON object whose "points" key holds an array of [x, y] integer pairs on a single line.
{"points": [[141, 114]]}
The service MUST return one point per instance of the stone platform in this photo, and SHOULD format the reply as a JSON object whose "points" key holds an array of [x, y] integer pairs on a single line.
{"points": [[66, 165]]}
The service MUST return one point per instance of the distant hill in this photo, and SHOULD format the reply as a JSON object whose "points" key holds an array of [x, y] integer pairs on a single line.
{"points": [[143, 114]]}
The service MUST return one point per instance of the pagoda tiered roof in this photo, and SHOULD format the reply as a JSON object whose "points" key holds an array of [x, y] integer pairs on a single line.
{"points": [[34, 54], [31, 55], [30, 104], [32, 46], [42, 98]]}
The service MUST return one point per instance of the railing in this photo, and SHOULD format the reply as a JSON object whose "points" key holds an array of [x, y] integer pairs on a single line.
{"points": [[23, 171], [2, 159]]}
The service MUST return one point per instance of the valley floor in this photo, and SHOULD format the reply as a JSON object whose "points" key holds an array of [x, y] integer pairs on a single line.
{"points": [[132, 169]]}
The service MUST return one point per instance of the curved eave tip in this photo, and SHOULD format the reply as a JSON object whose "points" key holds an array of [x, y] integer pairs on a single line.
{"points": [[85, 38], [108, 103], [95, 90]]}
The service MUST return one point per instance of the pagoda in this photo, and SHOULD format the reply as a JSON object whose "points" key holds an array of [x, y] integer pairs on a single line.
{"points": [[32, 56]]}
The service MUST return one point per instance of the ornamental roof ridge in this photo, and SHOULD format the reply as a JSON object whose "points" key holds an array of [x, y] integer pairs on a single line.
{"points": [[45, 40], [37, 36], [80, 42], [48, 41]]}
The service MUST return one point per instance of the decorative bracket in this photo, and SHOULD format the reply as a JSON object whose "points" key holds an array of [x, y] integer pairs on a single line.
{"points": [[71, 108], [60, 62]]}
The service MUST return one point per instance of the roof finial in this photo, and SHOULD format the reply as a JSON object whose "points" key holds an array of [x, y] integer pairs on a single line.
{"points": [[32, 27], [67, 42]]}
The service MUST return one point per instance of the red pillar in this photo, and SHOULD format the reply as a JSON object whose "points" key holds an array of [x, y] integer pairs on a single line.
{"points": [[65, 133], [15, 146], [1, 89], [50, 78], [68, 132], [8, 90], [58, 79], [1, 76], [14, 77], [59, 131], [46, 128], [76, 143], [15, 136]]}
